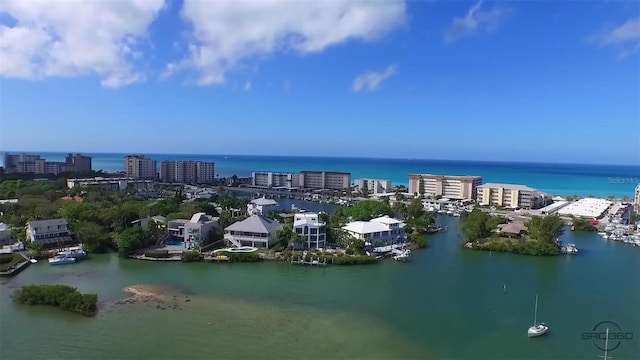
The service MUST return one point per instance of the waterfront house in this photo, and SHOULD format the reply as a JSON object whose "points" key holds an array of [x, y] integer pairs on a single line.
{"points": [[256, 231], [383, 229], [50, 233], [513, 229], [262, 206], [194, 231], [6, 238], [311, 228], [159, 220]]}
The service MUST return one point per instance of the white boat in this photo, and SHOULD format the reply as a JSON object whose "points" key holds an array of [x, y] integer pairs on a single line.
{"points": [[33, 261], [569, 249], [603, 234], [74, 253], [61, 260], [404, 255], [456, 214], [449, 212], [538, 328]]}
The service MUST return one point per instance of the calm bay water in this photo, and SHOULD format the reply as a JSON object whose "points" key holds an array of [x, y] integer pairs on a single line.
{"points": [[560, 179], [446, 303]]}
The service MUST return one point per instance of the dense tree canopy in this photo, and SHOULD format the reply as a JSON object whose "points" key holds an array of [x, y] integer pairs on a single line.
{"points": [[546, 229], [474, 225], [368, 209]]}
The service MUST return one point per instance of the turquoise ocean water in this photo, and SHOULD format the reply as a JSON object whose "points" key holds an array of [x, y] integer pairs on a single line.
{"points": [[560, 179]]}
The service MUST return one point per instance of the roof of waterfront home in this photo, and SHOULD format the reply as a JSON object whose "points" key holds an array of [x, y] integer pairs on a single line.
{"points": [[512, 228], [255, 224], [387, 220], [365, 227], [3, 226], [45, 223], [264, 201]]}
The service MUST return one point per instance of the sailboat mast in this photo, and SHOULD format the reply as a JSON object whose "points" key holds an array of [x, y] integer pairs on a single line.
{"points": [[606, 345], [535, 312]]}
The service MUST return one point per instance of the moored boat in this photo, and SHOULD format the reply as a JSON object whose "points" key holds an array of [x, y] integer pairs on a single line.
{"points": [[537, 329], [61, 260], [74, 253]]}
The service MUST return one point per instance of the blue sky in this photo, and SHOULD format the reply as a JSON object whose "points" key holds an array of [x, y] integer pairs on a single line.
{"points": [[532, 81]]}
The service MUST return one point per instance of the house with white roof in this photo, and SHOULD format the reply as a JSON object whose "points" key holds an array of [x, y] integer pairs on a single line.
{"points": [[50, 233], [384, 229], [262, 206], [256, 231], [311, 228]]}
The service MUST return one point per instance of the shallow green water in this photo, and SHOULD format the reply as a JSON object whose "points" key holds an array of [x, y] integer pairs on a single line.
{"points": [[445, 303]]}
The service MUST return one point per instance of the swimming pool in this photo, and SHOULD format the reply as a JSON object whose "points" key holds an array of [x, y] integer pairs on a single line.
{"points": [[177, 243]]}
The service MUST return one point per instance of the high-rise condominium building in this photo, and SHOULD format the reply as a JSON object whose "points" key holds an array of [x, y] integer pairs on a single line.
{"points": [[187, 172], [140, 167], [374, 186], [325, 180], [452, 187], [274, 179], [511, 195]]}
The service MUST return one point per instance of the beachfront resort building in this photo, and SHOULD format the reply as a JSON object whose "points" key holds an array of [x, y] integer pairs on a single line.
{"points": [[452, 187], [637, 199], [195, 231], [262, 206], [187, 172], [34, 164], [111, 184], [140, 167], [311, 228], [50, 233], [383, 230], [511, 196], [587, 208], [256, 231], [275, 180], [331, 180], [374, 186]]}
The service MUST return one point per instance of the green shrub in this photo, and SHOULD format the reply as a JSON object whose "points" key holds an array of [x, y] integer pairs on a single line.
{"points": [[6, 258], [242, 257], [355, 260], [421, 241], [157, 254], [65, 297], [9, 260], [191, 256]]}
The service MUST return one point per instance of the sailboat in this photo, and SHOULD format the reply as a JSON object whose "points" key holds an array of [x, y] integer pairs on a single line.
{"points": [[538, 328], [606, 345]]}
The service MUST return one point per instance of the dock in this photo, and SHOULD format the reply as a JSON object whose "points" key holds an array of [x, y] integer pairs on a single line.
{"points": [[301, 261]]}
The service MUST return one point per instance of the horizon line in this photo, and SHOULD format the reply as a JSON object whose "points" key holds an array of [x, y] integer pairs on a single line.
{"points": [[318, 156]]}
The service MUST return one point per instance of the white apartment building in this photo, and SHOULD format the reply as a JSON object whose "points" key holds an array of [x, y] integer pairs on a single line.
{"points": [[50, 233], [311, 228], [275, 179], [262, 206], [511, 195], [140, 167], [332, 180], [256, 231], [374, 186], [187, 172], [452, 187], [383, 229], [637, 198]]}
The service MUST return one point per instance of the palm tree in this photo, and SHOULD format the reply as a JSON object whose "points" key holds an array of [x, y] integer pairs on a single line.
{"points": [[286, 236]]}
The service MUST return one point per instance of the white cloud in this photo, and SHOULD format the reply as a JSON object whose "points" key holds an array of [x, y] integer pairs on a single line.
{"points": [[227, 32], [475, 20], [54, 38], [247, 86], [372, 80], [626, 37]]}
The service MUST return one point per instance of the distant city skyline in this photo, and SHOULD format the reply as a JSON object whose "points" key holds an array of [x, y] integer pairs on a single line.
{"points": [[44, 153], [545, 82]]}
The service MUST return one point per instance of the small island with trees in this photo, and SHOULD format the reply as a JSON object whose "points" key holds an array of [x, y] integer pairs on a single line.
{"points": [[62, 296], [538, 237]]}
